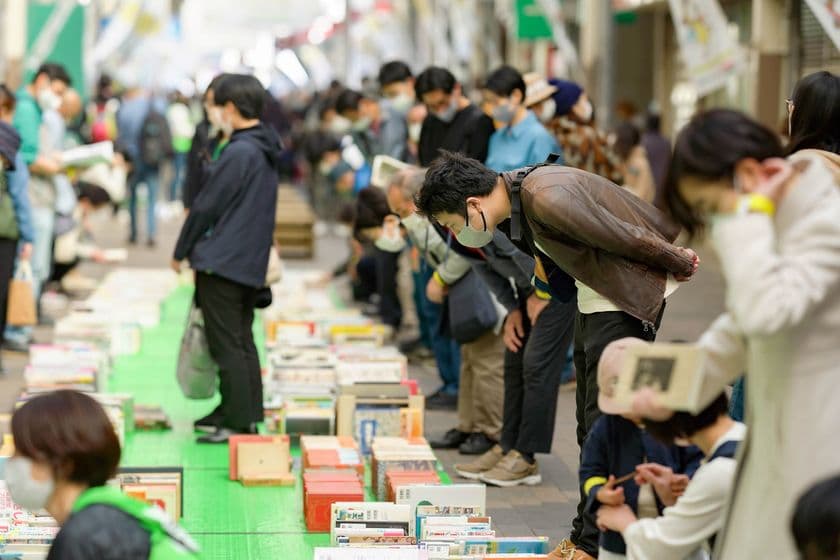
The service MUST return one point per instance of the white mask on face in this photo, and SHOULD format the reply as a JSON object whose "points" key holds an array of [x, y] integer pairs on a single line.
{"points": [[475, 238], [362, 124], [549, 107], [402, 103], [585, 114], [414, 130], [340, 125], [390, 243], [48, 100], [27, 492], [448, 114], [411, 221], [214, 115]]}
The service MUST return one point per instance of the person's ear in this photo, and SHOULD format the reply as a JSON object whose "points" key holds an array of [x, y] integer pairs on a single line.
{"points": [[517, 97], [749, 174], [456, 91], [474, 202]]}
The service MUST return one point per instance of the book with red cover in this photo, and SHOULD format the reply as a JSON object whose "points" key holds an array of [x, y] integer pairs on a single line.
{"points": [[319, 497]]}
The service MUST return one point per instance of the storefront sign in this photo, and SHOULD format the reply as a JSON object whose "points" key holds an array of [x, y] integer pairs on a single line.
{"points": [[710, 53]]}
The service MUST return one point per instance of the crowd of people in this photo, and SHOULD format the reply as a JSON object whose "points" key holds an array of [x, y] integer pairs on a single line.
{"points": [[532, 236], [534, 249]]}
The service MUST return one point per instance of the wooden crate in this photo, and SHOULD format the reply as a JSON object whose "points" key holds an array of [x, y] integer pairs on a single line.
{"points": [[294, 223]]}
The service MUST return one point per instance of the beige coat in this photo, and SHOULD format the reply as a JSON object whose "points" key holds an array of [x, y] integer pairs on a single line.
{"points": [[782, 328]]}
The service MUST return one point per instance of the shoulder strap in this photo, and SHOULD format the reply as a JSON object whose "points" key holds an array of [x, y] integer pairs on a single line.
{"points": [[515, 199], [727, 449]]}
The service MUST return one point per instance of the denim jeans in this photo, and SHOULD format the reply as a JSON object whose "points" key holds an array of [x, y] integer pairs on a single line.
{"points": [[447, 352], [179, 166], [151, 178]]}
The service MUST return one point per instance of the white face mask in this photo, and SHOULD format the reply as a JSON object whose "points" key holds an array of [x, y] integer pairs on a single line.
{"points": [[391, 242], [411, 221], [475, 238], [585, 114], [414, 130], [549, 107], [401, 103], [48, 100], [362, 124], [448, 114], [27, 492], [340, 125]]}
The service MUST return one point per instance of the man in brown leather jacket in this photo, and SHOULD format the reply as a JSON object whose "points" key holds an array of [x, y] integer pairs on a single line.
{"points": [[617, 249]]}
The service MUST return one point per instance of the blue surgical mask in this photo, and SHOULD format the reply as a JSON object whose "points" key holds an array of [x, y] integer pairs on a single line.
{"points": [[475, 238]]}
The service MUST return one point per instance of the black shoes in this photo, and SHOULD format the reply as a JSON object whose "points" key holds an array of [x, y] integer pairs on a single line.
{"points": [[476, 444], [442, 401], [450, 440], [16, 346], [222, 435], [209, 423]]}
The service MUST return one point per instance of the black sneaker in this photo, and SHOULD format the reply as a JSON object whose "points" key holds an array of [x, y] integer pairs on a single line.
{"points": [[450, 440], [16, 346], [442, 401], [410, 346], [222, 435], [209, 423], [476, 444]]}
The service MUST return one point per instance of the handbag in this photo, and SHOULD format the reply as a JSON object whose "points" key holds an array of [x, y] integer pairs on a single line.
{"points": [[21, 309], [8, 219], [197, 371], [470, 311]]}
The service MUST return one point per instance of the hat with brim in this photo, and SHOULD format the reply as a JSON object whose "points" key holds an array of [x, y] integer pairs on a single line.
{"points": [[537, 89], [609, 370]]}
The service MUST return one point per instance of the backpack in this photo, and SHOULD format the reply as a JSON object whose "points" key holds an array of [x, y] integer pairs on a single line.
{"points": [[166, 539], [155, 138]]}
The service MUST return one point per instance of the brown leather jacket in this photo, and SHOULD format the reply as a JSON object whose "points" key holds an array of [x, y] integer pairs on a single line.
{"points": [[603, 235]]}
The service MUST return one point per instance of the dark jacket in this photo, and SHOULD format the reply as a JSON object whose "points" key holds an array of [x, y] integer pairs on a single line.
{"points": [[616, 446], [603, 235], [101, 532], [198, 159], [230, 226], [469, 134], [506, 270]]}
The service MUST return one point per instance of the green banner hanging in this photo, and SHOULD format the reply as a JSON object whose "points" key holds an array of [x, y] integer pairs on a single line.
{"points": [[531, 23]]}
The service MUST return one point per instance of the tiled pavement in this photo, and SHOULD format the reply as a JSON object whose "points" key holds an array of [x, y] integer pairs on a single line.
{"points": [[546, 509]]}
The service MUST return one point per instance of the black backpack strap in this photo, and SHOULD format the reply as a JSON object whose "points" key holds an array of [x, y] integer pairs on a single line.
{"points": [[515, 198]]}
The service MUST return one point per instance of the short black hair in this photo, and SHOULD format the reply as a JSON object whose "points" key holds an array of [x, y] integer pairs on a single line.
{"points": [[709, 147], [653, 122], [54, 71], [245, 92], [685, 425], [450, 180], [627, 137], [504, 81], [348, 100], [816, 521], [96, 195], [371, 208], [815, 122], [394, 71], [434, 78], [216, 82]]}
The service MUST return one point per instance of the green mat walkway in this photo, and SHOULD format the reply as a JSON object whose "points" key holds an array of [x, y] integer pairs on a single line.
{"points": [[228, 520]]}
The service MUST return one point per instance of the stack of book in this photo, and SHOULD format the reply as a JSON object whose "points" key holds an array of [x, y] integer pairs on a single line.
{"points": [[159, 486], [367, 524], [322, 488], [22, 532], [330, 453], [71, 365], [391, 455]]}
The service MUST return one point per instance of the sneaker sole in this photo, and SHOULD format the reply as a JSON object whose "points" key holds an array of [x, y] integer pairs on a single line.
{"points": [[468, 475], [532, 480]]}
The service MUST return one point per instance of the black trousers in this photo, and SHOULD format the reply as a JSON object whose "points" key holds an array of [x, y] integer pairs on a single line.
{"points": [[387, 265], [8, 252], [532, 379], [592, 334], [228, 309]]}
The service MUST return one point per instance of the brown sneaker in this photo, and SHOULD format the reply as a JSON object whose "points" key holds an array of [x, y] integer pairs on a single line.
{"points": [[513, 470], [564, 551], [474, 469]]}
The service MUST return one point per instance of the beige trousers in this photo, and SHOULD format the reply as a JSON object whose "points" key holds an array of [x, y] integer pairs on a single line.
{"points": [[482, 386]]}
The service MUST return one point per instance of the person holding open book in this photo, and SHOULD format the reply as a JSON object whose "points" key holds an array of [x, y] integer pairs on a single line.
{"points": [[775, 226]]}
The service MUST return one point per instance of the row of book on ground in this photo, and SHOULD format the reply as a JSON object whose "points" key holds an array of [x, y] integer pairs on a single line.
{"points": [[369, 478], [106, 325]]}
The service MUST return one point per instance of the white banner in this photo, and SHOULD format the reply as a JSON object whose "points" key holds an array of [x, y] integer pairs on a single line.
{"points": [[828, 14], [711, 55]]}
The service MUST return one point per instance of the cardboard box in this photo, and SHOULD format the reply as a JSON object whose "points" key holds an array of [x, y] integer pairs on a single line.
{"points": [[264, 463], [233, 444]]}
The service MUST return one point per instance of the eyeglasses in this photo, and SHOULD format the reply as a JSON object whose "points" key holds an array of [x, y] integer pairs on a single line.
{"points": [[790, 105]]}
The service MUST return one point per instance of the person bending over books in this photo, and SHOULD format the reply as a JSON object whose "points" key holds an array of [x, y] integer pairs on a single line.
{"points": [[618, 453], [816, 521], [66, 450], [688, 525]]}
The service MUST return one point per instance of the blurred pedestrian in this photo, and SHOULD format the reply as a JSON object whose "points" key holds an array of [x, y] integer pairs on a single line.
{"points": [[376, 127], [635, 167], [774, 226], [453, 123], [396, 83], [179, 117], [814, 119], [522, 140], [658, 149]]}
